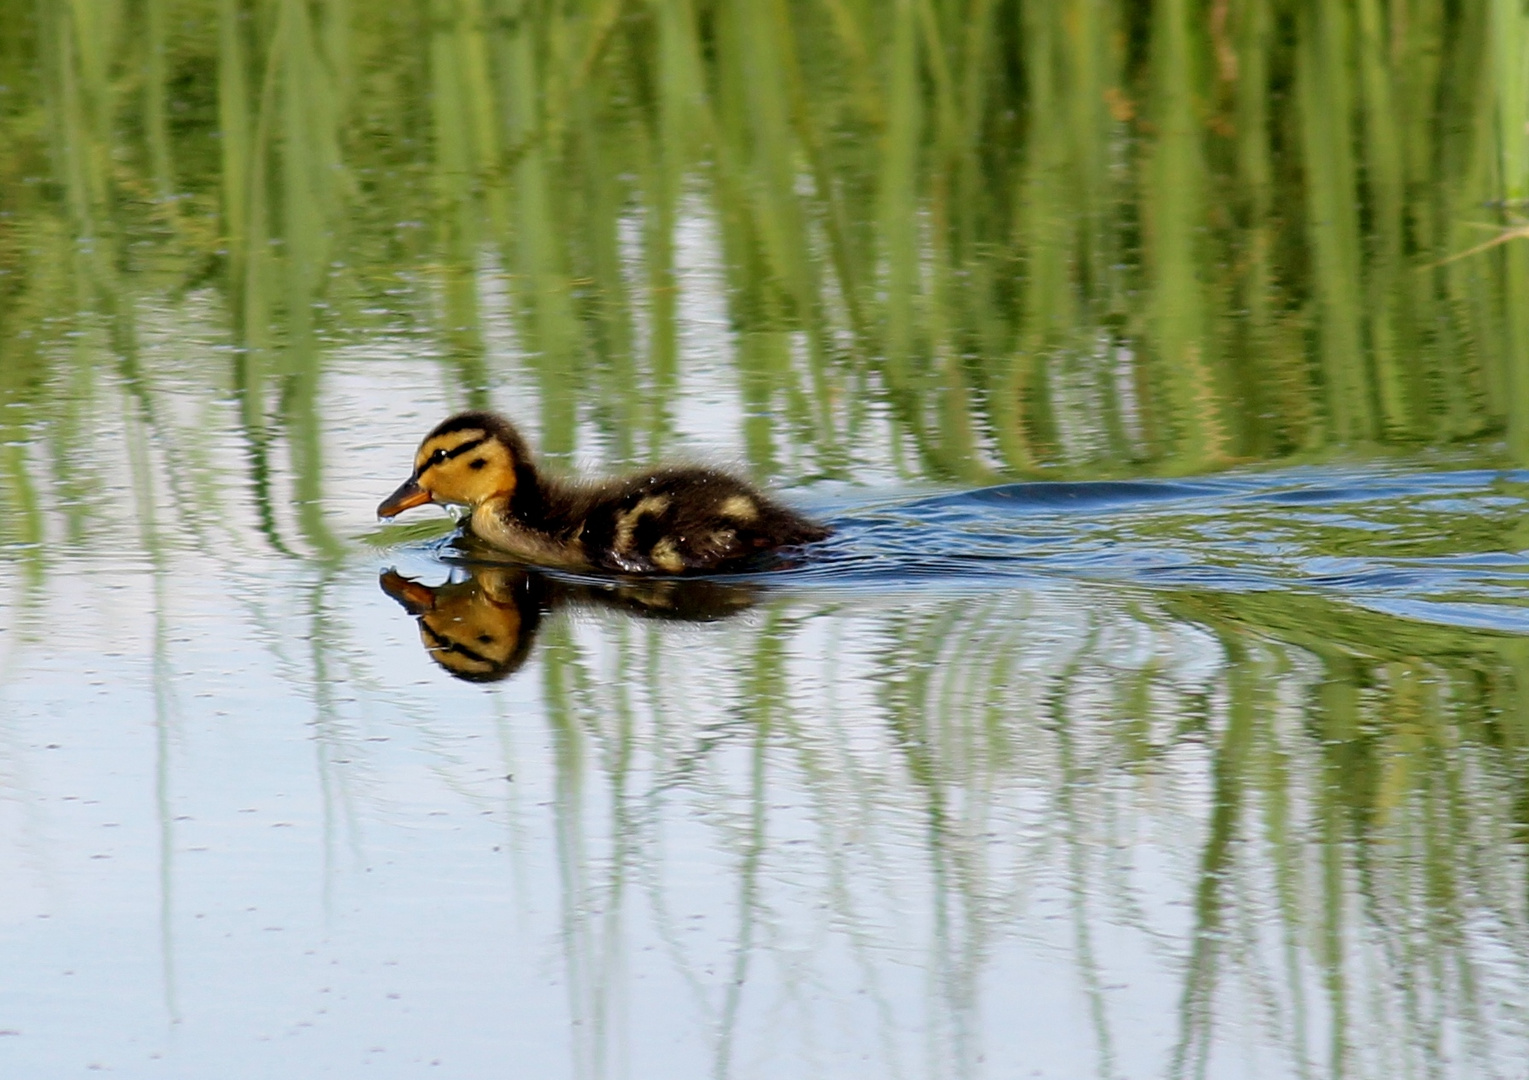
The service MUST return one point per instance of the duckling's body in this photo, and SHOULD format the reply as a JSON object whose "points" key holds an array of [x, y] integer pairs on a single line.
{"points": [[676, 521], [673, 521]]}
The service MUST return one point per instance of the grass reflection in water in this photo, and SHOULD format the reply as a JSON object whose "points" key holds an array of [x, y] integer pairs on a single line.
{"points": [[1341, 816], [1033, 235], [1333, 795]]}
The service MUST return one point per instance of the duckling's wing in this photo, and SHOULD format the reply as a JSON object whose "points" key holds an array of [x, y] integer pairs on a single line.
{"points": [[691, 521]]}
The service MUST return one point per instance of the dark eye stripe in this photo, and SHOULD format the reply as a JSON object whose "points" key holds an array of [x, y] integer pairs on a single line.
{"points": [[441, 643], [468, 445], [441, 456]]}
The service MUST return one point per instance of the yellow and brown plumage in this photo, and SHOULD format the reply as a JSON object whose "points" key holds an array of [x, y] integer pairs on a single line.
{"points": [[687, 520]]}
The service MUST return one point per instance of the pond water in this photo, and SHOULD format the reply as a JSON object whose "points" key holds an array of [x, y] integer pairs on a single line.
{"points": [[1158, 707], [1124, 778]]}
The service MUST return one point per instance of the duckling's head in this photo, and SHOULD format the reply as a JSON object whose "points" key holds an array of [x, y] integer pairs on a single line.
{"points": [[480, 629], [466, 460]]}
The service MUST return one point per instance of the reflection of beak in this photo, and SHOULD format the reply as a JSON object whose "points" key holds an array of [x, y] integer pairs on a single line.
{"points": [[409, 494], [415, 598]]}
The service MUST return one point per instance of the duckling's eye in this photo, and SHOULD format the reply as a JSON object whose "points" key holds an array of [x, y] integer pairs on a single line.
{"points": [[476, 463], [438, 457]]}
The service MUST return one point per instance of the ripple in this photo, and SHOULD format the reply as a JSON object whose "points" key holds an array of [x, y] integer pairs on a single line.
{"points": [[1440, 547]]}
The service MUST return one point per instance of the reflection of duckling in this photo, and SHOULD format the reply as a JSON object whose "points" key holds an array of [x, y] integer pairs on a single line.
{"points": [[482, 628], [674, 521], [479, 629]]}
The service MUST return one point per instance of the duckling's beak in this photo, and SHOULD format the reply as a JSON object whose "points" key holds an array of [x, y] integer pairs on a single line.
{"points": [[409, 494], [415, 598]]}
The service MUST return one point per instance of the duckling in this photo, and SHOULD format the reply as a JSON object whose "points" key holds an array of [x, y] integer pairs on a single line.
{"points": [[686, 520]]}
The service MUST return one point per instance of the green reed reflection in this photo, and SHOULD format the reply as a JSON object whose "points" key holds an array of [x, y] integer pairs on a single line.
{"points": [[1357, 893], [1118, 235]]}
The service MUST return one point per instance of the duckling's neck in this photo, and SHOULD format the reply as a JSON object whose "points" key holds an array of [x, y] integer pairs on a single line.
{"points": [[537, 502], [536, 522]]}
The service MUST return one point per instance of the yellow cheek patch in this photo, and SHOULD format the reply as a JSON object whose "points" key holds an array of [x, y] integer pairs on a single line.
{"points": [[477, 636]]}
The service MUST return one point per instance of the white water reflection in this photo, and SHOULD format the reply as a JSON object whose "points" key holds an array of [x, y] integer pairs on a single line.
{"points": [[250, 827]]}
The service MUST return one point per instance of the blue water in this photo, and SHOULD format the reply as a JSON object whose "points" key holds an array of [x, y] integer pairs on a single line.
{"points": [[1443, 547]]}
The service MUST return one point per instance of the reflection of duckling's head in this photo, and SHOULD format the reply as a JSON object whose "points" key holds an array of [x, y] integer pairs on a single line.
{"points": [[480, 629], [466, 460]]}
